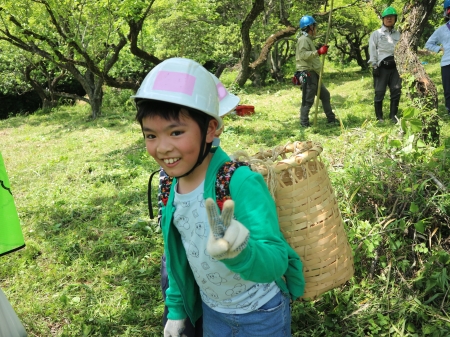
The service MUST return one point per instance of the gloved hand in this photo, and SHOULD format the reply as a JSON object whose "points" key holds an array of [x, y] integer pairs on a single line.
{"points": [[376, 72], [322, 50], [227, 237], [174, 328]]}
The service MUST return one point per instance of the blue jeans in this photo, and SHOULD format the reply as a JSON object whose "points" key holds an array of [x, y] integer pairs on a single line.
{"points": [[273, 319]]}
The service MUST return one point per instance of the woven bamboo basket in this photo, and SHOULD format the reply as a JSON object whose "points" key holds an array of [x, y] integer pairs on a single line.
{"points": [[308, 213]]}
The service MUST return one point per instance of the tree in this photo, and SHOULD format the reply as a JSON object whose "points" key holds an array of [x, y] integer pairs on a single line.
{"points": [[244, 72], [282, 29], [206, 31], [421, 89], [22, 72], [12, 65], [83, 38], [351, 30], [47, 93]]}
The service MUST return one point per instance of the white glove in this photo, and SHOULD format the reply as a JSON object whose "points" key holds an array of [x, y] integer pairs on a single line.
{"points": [[174, 328], [227, 237]]}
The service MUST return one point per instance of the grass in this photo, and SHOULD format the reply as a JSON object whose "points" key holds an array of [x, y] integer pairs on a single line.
{"points": [[91, 264]]}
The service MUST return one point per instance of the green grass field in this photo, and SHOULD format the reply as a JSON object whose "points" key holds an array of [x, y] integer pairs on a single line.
{"points": [[91, 264]]}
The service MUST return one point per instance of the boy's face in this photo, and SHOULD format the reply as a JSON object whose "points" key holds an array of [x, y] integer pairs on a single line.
{"points": [[175, 145]]}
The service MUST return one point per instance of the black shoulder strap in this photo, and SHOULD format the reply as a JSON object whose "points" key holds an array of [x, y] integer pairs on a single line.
{"points": [[164, 184], [149, 194]]}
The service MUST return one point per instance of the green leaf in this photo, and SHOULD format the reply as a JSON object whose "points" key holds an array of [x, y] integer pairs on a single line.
{"points": [[413, 208], [395, 143], [416, 125], [420, 226], [354, 193], [421, 144], [76, 299], [410, 327], [369, 245], [432, 298], [408, 113], [428, 329]]}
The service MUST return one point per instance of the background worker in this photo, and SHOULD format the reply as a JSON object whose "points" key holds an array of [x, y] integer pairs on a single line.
{"points": [[381, 49], [308, 67], [440, 41]]}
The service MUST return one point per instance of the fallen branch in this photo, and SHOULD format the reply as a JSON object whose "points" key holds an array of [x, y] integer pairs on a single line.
{"points": [[440, 185]]}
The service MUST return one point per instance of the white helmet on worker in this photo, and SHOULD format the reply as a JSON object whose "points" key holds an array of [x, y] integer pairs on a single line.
{"points": [[184, 82], [227, 101]]}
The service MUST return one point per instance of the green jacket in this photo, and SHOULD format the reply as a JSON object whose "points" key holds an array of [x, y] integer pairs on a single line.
{"points": [[306, 56], [267, 257], [11, 238]]}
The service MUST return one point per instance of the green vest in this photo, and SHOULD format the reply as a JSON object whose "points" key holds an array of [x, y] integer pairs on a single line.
{"points": [[11, 237]]}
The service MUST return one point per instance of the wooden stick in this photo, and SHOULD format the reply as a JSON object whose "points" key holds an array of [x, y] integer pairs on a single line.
{"points": [[323, 63]]}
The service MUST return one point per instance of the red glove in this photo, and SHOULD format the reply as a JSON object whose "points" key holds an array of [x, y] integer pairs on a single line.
{"points": [[323, 50]]}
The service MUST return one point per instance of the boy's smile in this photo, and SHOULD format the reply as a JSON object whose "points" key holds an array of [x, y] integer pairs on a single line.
{"points": [[175, 145]]}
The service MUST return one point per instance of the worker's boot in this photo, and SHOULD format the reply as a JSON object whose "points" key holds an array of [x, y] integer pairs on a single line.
{"points": [[394, 110], [379, 110], [304, 116]]}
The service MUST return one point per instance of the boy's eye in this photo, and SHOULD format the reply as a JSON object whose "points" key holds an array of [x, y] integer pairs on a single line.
{"points": [[149, 136], [177, 133]]}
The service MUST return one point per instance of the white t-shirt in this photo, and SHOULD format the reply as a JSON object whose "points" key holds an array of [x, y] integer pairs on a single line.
{"points": [[220, 288]]}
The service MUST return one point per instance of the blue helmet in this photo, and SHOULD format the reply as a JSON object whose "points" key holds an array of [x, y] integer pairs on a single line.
{"points": [[307, 20], [447, 9]]}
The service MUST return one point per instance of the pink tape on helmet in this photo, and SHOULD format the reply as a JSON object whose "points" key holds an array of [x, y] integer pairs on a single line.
{"points": [[174, 82], [221, 91]]}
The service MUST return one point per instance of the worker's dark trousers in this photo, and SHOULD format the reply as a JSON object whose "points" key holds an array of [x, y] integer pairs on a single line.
{"points": [[445, 72], [388, 78], [309, 92]]}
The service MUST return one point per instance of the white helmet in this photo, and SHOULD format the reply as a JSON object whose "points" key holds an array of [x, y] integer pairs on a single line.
{"points": [[227, 101], [184, 82]]}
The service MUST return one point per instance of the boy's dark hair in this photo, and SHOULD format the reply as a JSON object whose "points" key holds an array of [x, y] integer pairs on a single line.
{"points": [[170, 111]]}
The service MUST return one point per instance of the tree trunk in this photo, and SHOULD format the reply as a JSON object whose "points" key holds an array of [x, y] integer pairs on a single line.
{"points": [[244, 73], [46, 96], [95, 93], [93, 85], [419, 87], [278, 57]]}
